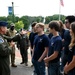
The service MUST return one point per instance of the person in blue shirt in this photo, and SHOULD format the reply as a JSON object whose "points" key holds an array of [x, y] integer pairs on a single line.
{"points": [[41, 45], [31, 39], [67, 38], [69, 68], [32, 36], [54, 52]]}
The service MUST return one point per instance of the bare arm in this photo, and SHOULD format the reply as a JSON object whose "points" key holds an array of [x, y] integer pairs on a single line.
{"points": [[53, 56], [33, 51]]}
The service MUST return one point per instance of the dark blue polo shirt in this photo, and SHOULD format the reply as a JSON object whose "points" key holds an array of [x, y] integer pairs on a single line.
{"points": [[31, 38], [62, 33], [70, 57], [40, 43], [67, 40], [55, 45]]}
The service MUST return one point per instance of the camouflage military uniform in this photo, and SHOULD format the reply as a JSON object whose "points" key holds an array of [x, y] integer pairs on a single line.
{"points": [[11, 34], [23, 42], [5, 50]]}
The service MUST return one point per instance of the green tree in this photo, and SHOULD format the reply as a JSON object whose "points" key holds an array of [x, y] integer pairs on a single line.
{"points": [[16, 18], [9, 18], [19, 25], [3, 18], [54, 17], [47, 19], [26, 21], [9, 22], [39, 19]]}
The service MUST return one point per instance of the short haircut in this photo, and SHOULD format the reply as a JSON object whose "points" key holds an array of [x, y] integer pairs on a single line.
{"points": [[33, 24], [54, 25], [70, 18], [41, 25]]}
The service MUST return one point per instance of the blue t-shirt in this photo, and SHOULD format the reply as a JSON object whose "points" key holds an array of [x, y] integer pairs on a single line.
{"points": [[67, 40], [40, 43], [55, 45], [31, 38]]}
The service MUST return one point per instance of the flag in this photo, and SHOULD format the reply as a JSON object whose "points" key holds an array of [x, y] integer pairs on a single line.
{"points": [[61, 2]]}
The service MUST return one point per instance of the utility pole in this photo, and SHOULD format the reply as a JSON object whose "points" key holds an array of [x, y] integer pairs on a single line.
{"points": [[13, 12]]}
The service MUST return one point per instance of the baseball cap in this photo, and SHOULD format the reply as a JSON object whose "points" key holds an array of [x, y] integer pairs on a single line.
{"points": [[3, 23]]}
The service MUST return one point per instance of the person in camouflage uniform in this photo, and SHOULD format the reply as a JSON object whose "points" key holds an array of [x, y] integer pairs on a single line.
{"points": [[12, 32], [23, 42], [5, 50]]}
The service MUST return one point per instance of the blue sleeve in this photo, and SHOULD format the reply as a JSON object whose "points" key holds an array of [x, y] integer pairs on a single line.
{"points": [[67, 38], [35, 39], [58, 45]]}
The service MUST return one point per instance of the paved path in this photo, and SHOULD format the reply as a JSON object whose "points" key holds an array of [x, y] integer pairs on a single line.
{"points": [[22, 69]]}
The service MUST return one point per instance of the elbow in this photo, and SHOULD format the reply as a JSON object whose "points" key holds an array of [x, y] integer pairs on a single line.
{"points": [[55, 54], [73, 63]]}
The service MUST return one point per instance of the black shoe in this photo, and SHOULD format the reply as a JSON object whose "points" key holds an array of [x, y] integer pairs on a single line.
{"points": [[32, 65], [22, 63], [13, 65], [26, 64]]}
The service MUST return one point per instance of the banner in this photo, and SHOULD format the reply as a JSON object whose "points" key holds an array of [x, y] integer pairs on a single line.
{"points": [[10, 10]]}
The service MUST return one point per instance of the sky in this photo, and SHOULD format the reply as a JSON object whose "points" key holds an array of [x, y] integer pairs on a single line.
{"points": [[37, 7]]}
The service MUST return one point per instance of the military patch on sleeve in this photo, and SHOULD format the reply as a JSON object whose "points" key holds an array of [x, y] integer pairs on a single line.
{"points": [[1, 40]]}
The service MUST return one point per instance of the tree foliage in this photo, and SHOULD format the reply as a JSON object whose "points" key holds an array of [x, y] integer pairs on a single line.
{"points": [[25, 21], [54, 17], [19, 25]]}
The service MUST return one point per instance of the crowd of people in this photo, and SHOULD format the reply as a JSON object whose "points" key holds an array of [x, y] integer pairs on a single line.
{"points": [[55, 50]]}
